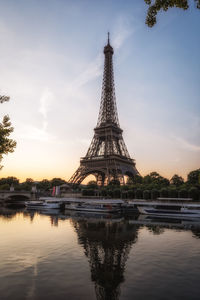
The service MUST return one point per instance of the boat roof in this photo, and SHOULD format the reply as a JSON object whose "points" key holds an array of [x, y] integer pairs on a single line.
{"points": [[174, 199], [161, 203], [94, 201], [33, 201], [50, 199]]}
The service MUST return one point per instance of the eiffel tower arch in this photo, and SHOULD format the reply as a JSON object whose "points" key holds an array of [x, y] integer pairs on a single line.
{"points": [[107, 157]]}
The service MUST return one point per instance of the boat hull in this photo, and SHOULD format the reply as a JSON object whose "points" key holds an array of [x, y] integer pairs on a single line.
{"points": [[42, 205], [91, 209], [169, 214]]}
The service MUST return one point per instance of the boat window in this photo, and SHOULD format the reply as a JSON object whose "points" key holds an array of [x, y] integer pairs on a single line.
{"points": [[192, 208], [172, 207]]}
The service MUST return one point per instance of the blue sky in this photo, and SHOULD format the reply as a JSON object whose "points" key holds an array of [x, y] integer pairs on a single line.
{"points": [[51, 61]]}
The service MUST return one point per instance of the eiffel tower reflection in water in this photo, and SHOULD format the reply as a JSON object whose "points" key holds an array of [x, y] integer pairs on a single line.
{"points": [[106, 244]]}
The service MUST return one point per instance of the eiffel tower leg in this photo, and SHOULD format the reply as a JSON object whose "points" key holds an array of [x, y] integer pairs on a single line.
{"points": [[98, 179], [107, 178], [78, 176], [120, 178]]}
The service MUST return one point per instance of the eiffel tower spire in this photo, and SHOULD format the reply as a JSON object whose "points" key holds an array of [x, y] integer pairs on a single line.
{"points": [[107, 157], [108, 108]]}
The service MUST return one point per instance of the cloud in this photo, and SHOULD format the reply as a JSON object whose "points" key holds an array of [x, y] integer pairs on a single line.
{"points": [[45, 103], [92, 71], [122, 31], [186, 144], [33, 133]]}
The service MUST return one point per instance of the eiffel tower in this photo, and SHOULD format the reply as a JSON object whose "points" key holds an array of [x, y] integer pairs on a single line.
{"points": [[107, 157]]}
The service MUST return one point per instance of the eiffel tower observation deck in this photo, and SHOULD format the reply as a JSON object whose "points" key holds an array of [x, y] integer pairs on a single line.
{"points": [[107, 157]]}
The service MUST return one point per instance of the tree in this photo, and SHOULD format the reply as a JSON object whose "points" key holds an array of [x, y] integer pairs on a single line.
{"points": [[194, 177], [164, 193], [134, 180], [4, 187], [156, 179], [114, 182], [177, 180], [116, 193], [194, 193], [173, 193], [44, 185], [27, 185], [4, 99], [138, 194], [154, 194], [146, 194], [130, 194], [6, 145], [92, 184], [157, 5], [9, 180], [57, 181], [183, 193]]}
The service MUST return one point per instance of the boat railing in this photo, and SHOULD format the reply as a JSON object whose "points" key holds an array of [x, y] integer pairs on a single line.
{"points": [[174, 199]]}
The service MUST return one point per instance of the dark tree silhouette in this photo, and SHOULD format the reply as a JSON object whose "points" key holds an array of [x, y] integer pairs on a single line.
{"points": [[4, 98], [157, 5], [177, 180], [6, 145]]}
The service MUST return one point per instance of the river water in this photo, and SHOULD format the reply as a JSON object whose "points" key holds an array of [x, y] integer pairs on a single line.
{"points": [[79, 256]]}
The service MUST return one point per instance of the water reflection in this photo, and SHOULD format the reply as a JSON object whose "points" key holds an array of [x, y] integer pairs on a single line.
{"points": [[9, 214], [125, 255], [196, 232], [107, 243]]}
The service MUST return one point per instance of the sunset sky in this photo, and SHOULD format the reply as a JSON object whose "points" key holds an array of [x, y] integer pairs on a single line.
{"points": [[51, 62]]}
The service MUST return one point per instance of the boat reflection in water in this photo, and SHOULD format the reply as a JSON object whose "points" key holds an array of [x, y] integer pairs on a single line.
{"points": [[183, 223], [107, 241]]}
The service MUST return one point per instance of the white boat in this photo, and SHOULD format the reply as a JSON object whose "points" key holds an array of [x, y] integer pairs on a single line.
{"points": [[181, 210], [44, 203], [94, 205]]}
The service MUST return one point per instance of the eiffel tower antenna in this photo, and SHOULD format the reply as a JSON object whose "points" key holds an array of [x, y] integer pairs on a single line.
{"points": [[107, 157]]}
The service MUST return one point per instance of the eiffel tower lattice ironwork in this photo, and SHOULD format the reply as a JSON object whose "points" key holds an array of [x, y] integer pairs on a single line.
{"points": [[107, 157]]}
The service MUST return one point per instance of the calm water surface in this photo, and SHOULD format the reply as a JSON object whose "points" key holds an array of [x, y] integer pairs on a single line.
{"points": [[76, 256]]}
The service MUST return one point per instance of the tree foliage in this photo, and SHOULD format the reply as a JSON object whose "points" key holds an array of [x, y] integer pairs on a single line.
{"points": [[4, 99], [194, 177], [92, 184], [156, 5], [156, 179], [194, 193], [57, 182], [44, 185], [9, 180], [114, 182], [6, 145], [134, 180], [177, 180]]}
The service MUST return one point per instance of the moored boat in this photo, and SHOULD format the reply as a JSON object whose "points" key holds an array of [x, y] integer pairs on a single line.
{"points": [[44, 203], [181, 210], [94, 205]]}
